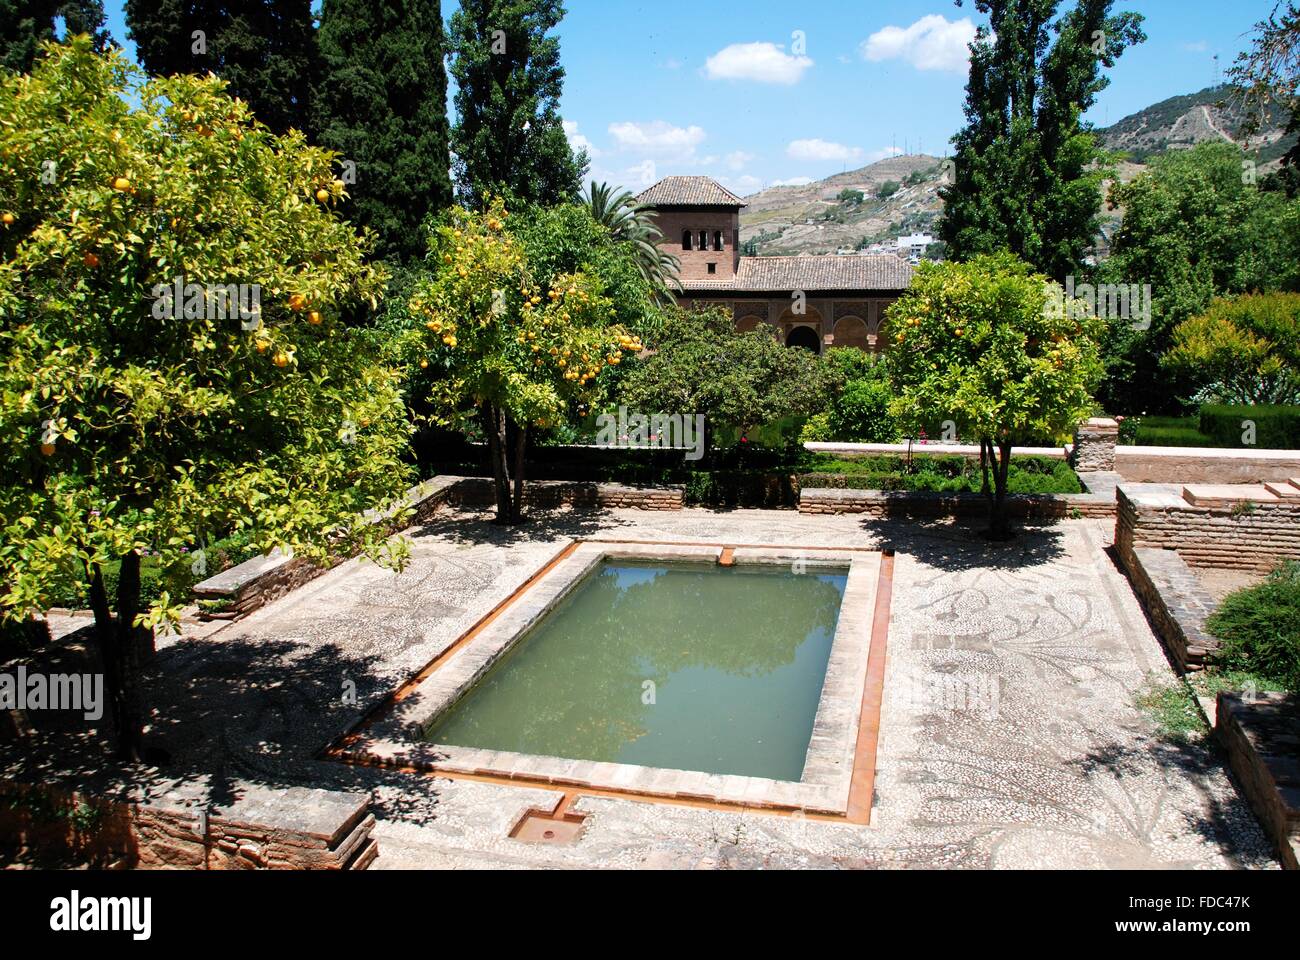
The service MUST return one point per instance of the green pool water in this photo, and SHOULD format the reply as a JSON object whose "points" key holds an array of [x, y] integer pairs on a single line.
{"points": [[687, 666]]}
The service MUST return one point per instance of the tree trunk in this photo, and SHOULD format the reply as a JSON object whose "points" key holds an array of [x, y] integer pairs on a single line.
{"points": [[999, 522], [494, 425], [120, 645]]}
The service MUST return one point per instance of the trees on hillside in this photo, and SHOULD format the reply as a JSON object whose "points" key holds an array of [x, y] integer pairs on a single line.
{"points": [[26, 24], [1269, 72], [1194, 228], [171, 369], [1027, 177], [508, 138], [381, 101], [972, 343], [264, 49]]}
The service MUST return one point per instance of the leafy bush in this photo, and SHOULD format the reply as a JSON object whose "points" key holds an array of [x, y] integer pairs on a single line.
{"points": [[1241, 350], [1042, 475], [1276, 427], [1259, 628], [861, 413]]}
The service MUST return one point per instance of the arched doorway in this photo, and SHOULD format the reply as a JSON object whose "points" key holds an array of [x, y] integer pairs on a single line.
{"points": [[804, 337], [851, 332], [747, 324]]}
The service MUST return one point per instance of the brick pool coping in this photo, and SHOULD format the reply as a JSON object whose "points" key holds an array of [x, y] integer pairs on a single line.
{"points": [[825, 786]]}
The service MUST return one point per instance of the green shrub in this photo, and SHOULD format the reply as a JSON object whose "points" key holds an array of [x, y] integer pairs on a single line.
{"points": [[1276, 427], [1259, 628], [861, 413], [1042, 475]]}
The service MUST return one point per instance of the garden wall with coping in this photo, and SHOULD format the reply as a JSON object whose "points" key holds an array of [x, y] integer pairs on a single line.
{"points": [[886, 504], [1261, 735], [1204, 465], [1176, 602], [1240, 533], [481, 492], [263, 828], [259, 581]]}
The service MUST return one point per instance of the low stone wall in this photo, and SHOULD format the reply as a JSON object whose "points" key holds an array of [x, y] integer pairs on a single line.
{"points": [[290, 828], [257, 582], [885, 504], [1176, 602], [481, 492], [1204, 465], [1245, 536], [1262, 738]]}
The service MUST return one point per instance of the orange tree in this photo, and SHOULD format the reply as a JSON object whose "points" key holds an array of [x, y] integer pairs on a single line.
{"points": [[994, 348], [136, 420], [506, 346]]}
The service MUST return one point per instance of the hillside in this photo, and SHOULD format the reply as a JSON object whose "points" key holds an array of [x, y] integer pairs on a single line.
{"points": [[820, 218]]}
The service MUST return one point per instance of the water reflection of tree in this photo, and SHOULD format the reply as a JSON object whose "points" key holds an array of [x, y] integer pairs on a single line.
{"points": [[633, 624]]}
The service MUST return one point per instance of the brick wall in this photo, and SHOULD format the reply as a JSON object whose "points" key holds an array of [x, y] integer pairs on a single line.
{"points": [[1094, 444], [1254, 537], [695, 261], [883, 504], [1176, 602], [1259, 736], [480, 492]]}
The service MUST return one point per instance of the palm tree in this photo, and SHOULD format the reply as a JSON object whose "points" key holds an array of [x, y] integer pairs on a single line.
{"points": [[633, 223]]}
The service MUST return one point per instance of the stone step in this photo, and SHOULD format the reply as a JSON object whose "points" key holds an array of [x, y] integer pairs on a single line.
{"points": [[1226, 494], [1287, 491], [1295, 482]]}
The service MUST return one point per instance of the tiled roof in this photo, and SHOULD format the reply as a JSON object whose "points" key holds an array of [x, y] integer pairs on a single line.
{"points": [[784, 274], [689, 192]]}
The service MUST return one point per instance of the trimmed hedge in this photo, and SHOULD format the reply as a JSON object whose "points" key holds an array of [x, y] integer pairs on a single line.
{"points": [[1276, 427], [939, 475]]}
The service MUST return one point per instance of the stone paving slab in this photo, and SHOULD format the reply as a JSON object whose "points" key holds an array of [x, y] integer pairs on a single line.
{"points": [[1009, 735]]}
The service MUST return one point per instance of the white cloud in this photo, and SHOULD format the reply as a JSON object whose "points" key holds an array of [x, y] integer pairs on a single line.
{"points": [[660, 138], [577, 141], [822, 150], [793, 182], [883, 154], [932, 43], [742, 186], [738, 160], [642, 174], [757, 62]]}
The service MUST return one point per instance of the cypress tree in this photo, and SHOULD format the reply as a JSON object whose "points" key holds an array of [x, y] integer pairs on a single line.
{"points": [[1028, 177], [265, 49], [508, 137], [382, 103], [25, 23]]}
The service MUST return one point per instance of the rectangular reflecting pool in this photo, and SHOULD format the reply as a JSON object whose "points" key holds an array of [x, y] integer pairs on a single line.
{"points": [[676, 665]]}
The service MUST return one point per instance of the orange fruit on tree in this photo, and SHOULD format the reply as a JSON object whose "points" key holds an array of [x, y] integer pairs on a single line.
{"points": [[91, 260], [47, 449], [281, 359], [7, 218], [121, 184], [314, 318], [322, 195], [297, 302]]}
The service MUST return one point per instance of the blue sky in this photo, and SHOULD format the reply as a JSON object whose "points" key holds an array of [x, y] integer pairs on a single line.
{"points": [[758, 92]]}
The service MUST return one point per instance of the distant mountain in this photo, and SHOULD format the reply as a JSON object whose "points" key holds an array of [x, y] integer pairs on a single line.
{"points": [[826, 216], [885, 199], [1215, 113]]}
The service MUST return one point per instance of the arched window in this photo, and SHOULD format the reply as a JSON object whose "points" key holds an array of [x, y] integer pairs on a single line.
{"points": [[704, 239], [686, 239], [717, 239]]}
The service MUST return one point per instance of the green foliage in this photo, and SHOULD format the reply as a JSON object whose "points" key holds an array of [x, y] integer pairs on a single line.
{"points": [[1174, 709], [633, 224], [1244, 349], [508, 139], [1276, 427], [26, 24], [1259, 628], [737, 380], [860, 414], [851, 198], [381, 101], [974, 343], [264, 49], [1028, 173], [888, 189], [1193, 230], [125, 428]]}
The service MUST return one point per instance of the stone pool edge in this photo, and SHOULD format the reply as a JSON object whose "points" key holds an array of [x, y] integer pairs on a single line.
{"points": [[828, 768]]}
